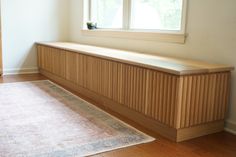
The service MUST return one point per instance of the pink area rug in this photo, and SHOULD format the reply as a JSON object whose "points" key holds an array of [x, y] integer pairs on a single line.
{"points": [[41, 119]]}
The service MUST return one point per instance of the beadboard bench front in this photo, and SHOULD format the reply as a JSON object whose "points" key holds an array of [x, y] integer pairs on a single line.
{"points": [[179, 99]]}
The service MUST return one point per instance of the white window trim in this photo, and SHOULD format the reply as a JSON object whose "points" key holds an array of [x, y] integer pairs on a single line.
{"points": [[137, 34]]}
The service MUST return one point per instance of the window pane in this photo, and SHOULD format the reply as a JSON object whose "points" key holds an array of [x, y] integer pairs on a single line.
{"points": [[156, 14], [107, 13]]}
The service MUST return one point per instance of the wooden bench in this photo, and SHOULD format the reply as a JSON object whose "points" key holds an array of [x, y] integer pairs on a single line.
{"points": [[179, 99]]}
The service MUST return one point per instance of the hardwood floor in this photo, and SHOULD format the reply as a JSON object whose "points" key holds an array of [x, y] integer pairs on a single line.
{"points": [[217, 145]]}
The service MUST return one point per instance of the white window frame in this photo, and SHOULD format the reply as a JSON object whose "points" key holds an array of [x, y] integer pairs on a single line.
{"points": [[140, 34]]}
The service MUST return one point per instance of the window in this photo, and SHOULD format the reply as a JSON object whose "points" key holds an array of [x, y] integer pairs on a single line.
{"points": [[144, 17], [107, 13], [156, 14], [162, 15]]}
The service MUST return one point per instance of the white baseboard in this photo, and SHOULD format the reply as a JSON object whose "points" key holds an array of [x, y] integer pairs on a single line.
{"points": [[230, 127], [20, 71]]}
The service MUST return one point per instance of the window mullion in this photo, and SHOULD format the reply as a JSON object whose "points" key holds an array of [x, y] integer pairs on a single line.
{"points": [[126, 14], [183, 18], [129, 13], [89, 10], [86, 12]]}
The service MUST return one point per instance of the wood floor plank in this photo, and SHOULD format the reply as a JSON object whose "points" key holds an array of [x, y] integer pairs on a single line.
{"points": [[127, 152]]}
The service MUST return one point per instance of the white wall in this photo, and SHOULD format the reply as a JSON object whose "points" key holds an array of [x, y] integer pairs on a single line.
{"points": [[211, 26], [27, 21]]}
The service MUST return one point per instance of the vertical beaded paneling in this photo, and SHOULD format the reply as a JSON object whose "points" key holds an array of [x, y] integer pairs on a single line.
{"points": [[58, 62], [135, 87], [176, 101], [204, 99], [71, 66], [161, 97]]}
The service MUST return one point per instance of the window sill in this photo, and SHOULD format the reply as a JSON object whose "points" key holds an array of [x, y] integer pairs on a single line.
{"points": [[137, 35]]}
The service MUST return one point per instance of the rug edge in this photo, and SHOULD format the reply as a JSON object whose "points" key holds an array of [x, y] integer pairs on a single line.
{"points": [[117, 148], [128, 125]]}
